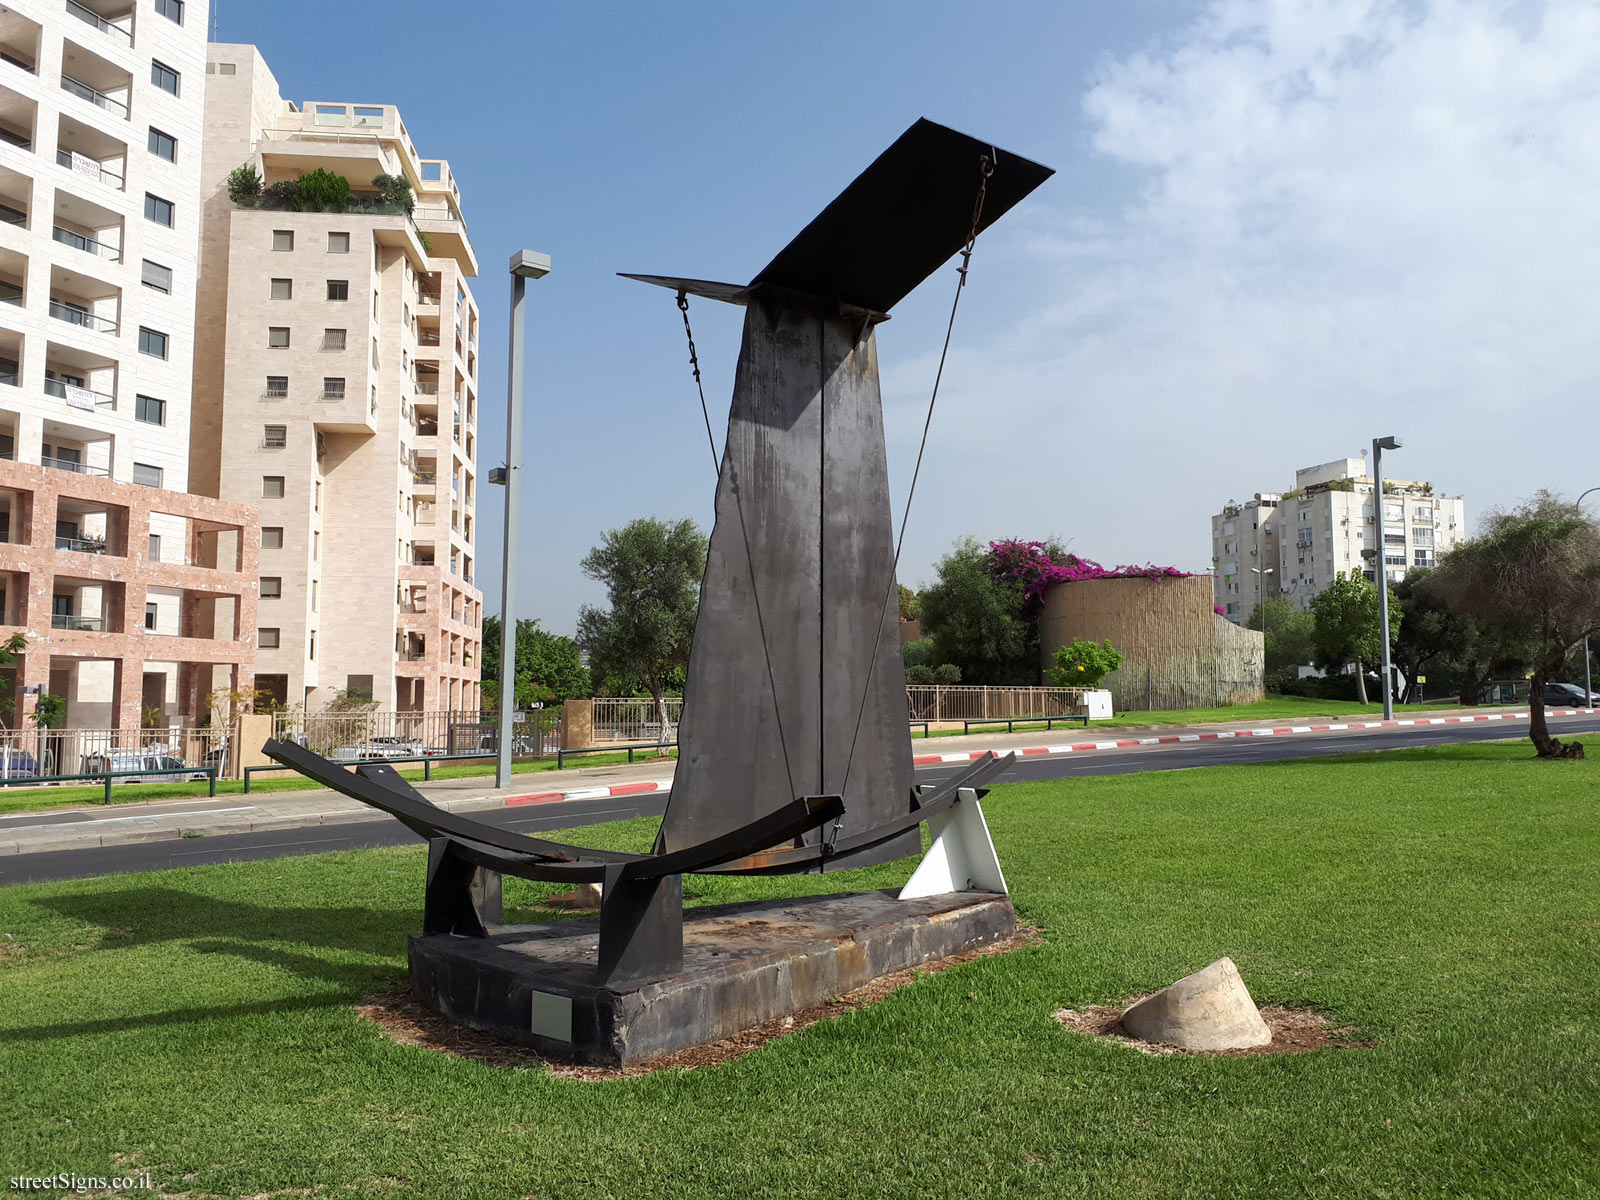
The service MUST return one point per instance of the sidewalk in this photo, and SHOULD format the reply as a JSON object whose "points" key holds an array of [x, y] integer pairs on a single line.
{"points": [[74, 828]]}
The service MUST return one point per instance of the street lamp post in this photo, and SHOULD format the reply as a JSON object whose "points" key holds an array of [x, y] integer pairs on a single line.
{"points": [[1588, 691], [1379, 445], [525, 265]]}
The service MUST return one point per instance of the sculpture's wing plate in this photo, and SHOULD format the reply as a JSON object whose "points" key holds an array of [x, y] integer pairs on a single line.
{"points": [[728, 293], [901, 219]]}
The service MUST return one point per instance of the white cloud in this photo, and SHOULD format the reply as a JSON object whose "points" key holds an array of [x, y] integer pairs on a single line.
{"points": [[1354, 221]]}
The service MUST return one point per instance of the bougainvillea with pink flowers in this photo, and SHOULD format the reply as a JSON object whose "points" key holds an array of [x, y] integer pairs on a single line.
{"points": [[1038, 567]]}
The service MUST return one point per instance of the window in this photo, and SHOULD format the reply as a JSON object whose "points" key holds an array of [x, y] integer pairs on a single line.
{"points": [[163, 76], [163, 145], [358, 687], [271, 587], [333, 387], [316, 497], [338, 243], [282, 289], [267, 639], [277, 336], [333, 339], [222, 68], [283, 239], [338, 289], [316, 595], [311, 646], [272, 537], [272, 487], [152, 342], [146, 474], [154, 275], [150, 611], [316, 546], [275, 437], [172, 10], [158, 210], [277, 386], [155, 547], [150, 410]]}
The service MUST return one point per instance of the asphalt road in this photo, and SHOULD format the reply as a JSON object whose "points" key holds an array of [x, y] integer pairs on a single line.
{"points": [[316, 839]]}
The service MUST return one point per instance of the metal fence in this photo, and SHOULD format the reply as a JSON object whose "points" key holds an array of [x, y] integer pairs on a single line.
{"points": [[25, 752], [350, 734], [936, 702], [635, 719]]}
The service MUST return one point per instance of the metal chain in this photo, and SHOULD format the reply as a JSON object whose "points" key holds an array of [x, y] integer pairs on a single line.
{"points": [[985, 170], [749, 558]]}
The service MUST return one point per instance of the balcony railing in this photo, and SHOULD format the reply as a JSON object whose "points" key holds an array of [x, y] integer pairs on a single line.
{"points": [[79, 397], [81, 166], [12, 216], [81, 545], [427, 389], [86, 624], [427, 478], [10, 293], [77, 468], [20, 140], [94, 96], [428, 299], [79, 242], [77, 316], [412, 655], [104, 26]]}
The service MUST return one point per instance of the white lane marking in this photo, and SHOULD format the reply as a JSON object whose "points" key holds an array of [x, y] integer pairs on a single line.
{"points": [[199, 812], [264, 846]]}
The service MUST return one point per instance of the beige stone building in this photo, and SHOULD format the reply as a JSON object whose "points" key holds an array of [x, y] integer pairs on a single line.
{"points": [[137, 600], [1294, 543], [340, 386]]}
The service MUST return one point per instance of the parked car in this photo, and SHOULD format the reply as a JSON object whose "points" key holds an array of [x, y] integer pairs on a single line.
{"points": [[14, 762], [382, 747], [1567, 695], [174, 769]]}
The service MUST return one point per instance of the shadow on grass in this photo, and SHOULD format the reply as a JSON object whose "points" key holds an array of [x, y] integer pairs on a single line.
{"points": [[178, 1016], [1453, 753]]}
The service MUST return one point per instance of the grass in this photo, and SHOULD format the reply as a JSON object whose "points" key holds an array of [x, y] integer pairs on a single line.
{"points": [[1444, 901], [41, 799]]}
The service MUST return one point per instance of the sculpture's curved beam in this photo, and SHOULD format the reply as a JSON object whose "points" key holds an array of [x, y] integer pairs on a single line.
{"points": [[793, 860]]}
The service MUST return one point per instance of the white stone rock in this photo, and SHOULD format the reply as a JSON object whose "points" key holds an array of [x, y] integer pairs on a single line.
{"points": [[1209, 1010]]}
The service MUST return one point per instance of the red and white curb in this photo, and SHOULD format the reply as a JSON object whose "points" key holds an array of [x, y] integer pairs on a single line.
{"points": [[653, 786], [1276, 731], [593, 793]]}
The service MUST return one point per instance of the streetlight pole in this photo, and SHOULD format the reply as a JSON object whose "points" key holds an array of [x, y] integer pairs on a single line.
{"points": [[1379, 445], [525, 265], [1587, 690]]}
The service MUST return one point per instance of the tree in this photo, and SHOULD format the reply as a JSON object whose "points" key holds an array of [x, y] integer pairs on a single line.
{"points": [[1288, 634], [923, 667], [1083, 664], [396, 190], [548, 667], [1533, 572], [976, 622], [910, 605], [1345, 624], [652, 571], [323, 191], [244, 183]]}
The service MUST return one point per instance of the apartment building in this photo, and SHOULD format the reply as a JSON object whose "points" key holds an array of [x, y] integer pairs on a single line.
{"points": [[136, 599], [1294, 543], [342, 396]]}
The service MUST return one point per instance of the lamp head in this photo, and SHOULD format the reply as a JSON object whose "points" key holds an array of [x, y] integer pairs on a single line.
{"points": [[497, 475], [1387, 443], [530, 264]]}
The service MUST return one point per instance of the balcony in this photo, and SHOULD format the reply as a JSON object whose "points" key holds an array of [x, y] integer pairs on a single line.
{"points": [[94, 96], [426, 389], [10, 293], [117, 33], [82, 164], [87, 244], [80, 545], [78, 624], [74, 315], [12, 216], [79, 397], [76, 467]]}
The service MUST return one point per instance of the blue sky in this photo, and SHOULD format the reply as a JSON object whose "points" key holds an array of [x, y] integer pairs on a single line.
{"points": [[1276, 231]]}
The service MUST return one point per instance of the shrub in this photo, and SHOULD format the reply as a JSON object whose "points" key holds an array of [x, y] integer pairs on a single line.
{"points": [[395, 189], [1083, 664], [285, 194], [323, 191], [243, 183]]}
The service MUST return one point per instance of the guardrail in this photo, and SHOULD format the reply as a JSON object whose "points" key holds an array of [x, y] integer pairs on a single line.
{"points": [[114, 777], [562, 755], [1011, 722], [427, 761]]}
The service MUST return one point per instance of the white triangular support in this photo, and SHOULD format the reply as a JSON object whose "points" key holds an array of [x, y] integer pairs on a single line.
{"points": [[961, 858]]}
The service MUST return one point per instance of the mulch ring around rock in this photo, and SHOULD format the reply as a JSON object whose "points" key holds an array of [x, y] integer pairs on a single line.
{"points": [[403, 1019], [1294, 1030]]}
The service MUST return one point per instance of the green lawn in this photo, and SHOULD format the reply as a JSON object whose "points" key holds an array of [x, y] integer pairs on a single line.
{"points": [[1445, 902], [25, 799]]}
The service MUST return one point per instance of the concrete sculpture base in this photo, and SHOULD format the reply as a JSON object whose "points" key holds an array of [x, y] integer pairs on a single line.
{"points": [[1209, 1010], [743, 964]]}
